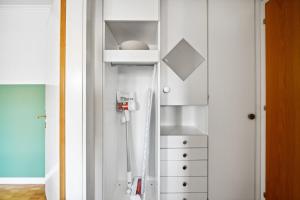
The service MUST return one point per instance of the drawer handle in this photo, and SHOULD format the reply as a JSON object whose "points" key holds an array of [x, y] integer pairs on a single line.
{"points": [[185, 142], [184, 155], [184, 184], [184, 167], [184, 199]]}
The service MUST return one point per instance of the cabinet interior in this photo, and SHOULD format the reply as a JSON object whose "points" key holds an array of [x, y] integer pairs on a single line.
{"points": [[184, 120], [137, 79], [117, 32], [183, 111]]}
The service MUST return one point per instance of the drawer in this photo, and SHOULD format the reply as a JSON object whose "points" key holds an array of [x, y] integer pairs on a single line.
{"points": [[183, 168], [183, 141], [183, 154], [183, 184], [184, 196]]}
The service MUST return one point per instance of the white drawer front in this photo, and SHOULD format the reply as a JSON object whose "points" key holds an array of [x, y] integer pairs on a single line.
{"points": [[183, 168], [184, 196], [183, 184], [183, 141], [183, 154]]}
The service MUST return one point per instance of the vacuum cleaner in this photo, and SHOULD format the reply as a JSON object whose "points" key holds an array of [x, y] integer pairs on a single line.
{"points": [[126, 103]]}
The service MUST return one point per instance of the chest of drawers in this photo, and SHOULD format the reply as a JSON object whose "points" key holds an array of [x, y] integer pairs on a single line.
{"points": [[184, 167]]}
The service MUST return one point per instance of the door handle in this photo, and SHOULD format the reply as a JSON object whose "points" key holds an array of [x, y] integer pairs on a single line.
{"points": [[41, 117], [166, 90], [251, 116]]}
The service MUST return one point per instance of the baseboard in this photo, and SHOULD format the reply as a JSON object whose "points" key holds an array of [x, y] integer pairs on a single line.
{"points": [[22, 181]]}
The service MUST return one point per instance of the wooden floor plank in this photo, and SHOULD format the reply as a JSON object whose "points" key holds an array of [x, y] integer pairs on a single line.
{"points": [[22, 192]]}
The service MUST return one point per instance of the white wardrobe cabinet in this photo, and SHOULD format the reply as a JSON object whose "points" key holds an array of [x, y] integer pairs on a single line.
{"points": [[184, 52], [124, 10], [194, 147]]}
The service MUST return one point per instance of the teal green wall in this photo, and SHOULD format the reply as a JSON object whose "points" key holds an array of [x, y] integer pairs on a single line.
{"points": [[22, 135]]}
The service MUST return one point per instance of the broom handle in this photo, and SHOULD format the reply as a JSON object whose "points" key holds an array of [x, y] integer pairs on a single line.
{"points": [[127, 147], [129, 174]]}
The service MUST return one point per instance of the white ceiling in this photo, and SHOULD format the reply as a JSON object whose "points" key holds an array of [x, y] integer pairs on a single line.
{"points": [[25, 2]]}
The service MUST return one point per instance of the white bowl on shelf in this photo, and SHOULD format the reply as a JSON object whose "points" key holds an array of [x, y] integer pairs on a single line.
{"points": [[133, 45]]}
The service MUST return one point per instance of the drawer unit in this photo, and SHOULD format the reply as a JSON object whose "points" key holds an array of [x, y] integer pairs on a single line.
{"points": [[183, 154], [183, 184], [183, 168], [184, 196], [183, 141]]}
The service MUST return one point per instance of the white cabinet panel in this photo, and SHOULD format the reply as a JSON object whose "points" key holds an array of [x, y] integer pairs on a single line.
{"points": [[183, 141], [183, 154], [232, 82], [183, 184], [183, 168], [184, 20], [131, 10], [184, 196]]}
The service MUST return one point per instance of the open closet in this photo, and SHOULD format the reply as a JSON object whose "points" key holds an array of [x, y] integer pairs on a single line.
{"points": [[161, 120]]}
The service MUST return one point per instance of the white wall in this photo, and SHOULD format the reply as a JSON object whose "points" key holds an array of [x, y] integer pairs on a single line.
{"points": [[24, 44], [52, 104], [29, 38]]}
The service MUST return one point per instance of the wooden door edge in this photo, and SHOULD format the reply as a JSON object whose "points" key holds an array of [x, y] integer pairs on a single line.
{"points": [[62, 170]]}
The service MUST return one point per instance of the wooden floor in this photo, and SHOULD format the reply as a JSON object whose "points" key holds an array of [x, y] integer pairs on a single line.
{"points": [[22, 192]]}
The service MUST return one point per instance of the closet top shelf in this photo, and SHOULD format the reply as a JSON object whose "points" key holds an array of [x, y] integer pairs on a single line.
{"points": [[140, 57], [180, 130]]}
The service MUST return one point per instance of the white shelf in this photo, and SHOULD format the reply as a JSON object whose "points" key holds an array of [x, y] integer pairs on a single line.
{"points": [[180, 130], [131, 56]]}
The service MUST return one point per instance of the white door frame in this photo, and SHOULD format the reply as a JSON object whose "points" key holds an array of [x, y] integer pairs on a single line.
{"points": [[75, 100], [261, 99]]}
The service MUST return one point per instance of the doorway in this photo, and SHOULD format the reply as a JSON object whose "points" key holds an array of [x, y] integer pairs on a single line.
{"points": [[29, 141], [30, 56]]}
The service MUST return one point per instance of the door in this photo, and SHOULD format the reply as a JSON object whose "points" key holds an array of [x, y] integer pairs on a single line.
{"points": [[22, 131], [184, 55], [232, 97], [283, 99]]}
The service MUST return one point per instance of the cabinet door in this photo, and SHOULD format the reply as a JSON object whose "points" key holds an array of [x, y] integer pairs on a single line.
{"points": [[184, 73], [131, 10]]}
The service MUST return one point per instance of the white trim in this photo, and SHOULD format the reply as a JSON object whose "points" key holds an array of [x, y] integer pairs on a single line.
{"points": [[263, 99], [84, 29], [74, 100], [22, 180]]}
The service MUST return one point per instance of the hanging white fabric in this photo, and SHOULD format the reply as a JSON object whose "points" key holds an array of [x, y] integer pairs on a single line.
{"points": [[145, 164]]}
